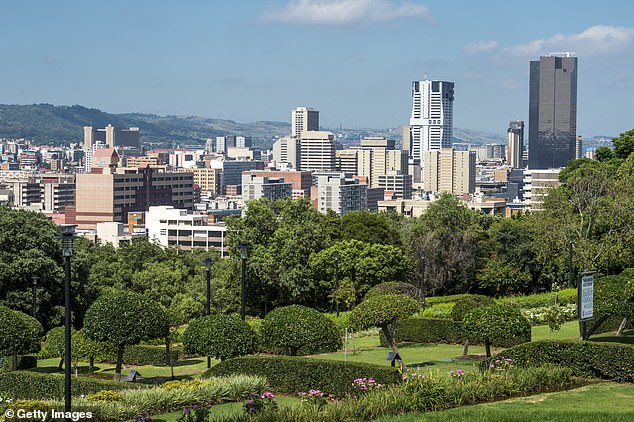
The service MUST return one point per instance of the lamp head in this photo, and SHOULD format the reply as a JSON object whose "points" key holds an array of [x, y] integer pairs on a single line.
{"points": [[335, 254]]}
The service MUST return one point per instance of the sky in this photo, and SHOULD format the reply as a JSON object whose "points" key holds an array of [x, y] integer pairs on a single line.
{"points": [[353, 60]]}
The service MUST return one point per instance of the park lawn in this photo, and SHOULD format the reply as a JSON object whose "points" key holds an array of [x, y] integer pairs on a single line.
{"points": [[568, 331], [597, 402], [183, 369]]}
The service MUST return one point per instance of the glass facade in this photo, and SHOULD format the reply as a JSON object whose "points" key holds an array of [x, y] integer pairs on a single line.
{"points": [[552, 111]]}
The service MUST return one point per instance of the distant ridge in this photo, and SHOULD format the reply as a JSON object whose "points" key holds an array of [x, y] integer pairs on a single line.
{"points": [[50, 124]]}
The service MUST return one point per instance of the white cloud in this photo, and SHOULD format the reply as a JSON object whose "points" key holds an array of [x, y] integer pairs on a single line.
{"points": [[596, 40], [480, 47], [341, 12]]}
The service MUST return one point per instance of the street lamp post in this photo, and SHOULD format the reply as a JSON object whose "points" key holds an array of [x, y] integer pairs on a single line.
{"points": [[35, 280], [244, 254], [335, 255], [571, 277], [208, 263], [68, 234]]}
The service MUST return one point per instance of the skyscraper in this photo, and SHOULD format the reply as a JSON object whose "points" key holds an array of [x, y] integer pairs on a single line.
{"points": [[552, 118], [304, 118], [431, 122], [515, 146]]}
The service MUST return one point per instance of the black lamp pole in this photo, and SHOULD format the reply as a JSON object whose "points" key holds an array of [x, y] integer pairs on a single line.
{"points": [[35, 279], [335, 255], [244, 254], [571, 277], [68, 234]]}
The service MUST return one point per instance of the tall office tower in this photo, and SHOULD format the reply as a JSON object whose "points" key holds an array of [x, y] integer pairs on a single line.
{"points": [[515, 146], [303, 118], [431, 122], [317, 151], [579, 147], [552, 113]]}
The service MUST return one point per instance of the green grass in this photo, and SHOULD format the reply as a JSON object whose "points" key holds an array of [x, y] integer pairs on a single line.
{"points": [[600, 402], [226, 409], [183, 369], [569, 331]]}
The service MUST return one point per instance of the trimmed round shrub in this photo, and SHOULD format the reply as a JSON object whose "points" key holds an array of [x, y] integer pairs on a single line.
{"points": [[19, 333], [394, 288], [497, 325], [299, 330], [220, 336], [466, 304]]}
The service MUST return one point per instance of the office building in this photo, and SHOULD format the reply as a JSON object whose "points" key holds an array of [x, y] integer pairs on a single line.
{"points": [[111, 195], [515, 146], [111, 136], [303, 119], [449, 171], [552, 119], [579, 147], [431, 121], [317, 151], [396, 182], [206, 178], [257, 187], [536, 186], [287, 153], [169, 226], [300, 180], [340, 194]]}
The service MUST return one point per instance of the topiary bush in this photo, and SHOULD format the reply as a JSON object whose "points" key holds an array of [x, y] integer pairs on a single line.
{"points": [[286, 374], [220, 336], [394, 288], [497, 325], [427, 330], [299, 330], [468, 303], [19, 334], [124, 318]]}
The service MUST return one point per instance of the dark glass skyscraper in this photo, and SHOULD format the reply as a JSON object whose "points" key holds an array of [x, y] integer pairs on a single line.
{"points": [[552, 114]]}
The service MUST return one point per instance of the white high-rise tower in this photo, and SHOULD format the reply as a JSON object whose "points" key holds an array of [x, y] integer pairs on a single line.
{"points": [[431, 123]]}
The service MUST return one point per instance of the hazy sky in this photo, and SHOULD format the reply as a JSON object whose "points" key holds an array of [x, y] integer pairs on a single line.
{"points": [[354, 60]]}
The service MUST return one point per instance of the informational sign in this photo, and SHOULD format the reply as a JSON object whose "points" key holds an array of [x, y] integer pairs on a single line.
{"points": [[586, 296]]}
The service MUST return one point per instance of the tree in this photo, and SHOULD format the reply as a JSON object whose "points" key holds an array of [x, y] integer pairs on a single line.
{"points": [[383, 311], [450, 239], [624, 144], [19, 334], [297, 329], [612, 297], [370, 227], [220, 336], [124, 318], [501, 278], [465, 305], [395, 288], [497, 324]]}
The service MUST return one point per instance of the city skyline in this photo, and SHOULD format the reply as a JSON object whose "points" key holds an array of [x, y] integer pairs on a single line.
{"points": [[354, 60]]}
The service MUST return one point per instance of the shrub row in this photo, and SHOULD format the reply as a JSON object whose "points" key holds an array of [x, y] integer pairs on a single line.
{"points": [[564, 297], [585, 358], [421, 394], [441, 330], [33, 385], [286, 374]]}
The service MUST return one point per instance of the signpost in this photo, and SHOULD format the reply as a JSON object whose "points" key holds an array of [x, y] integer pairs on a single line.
{"points": [[585, 302]]}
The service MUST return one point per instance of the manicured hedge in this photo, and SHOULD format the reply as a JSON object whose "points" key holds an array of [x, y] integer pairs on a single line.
{"points": [[585, 358], [290, 374], [427, 330], [444, 299], [34, 385], [539, 300], [438, 330]]}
